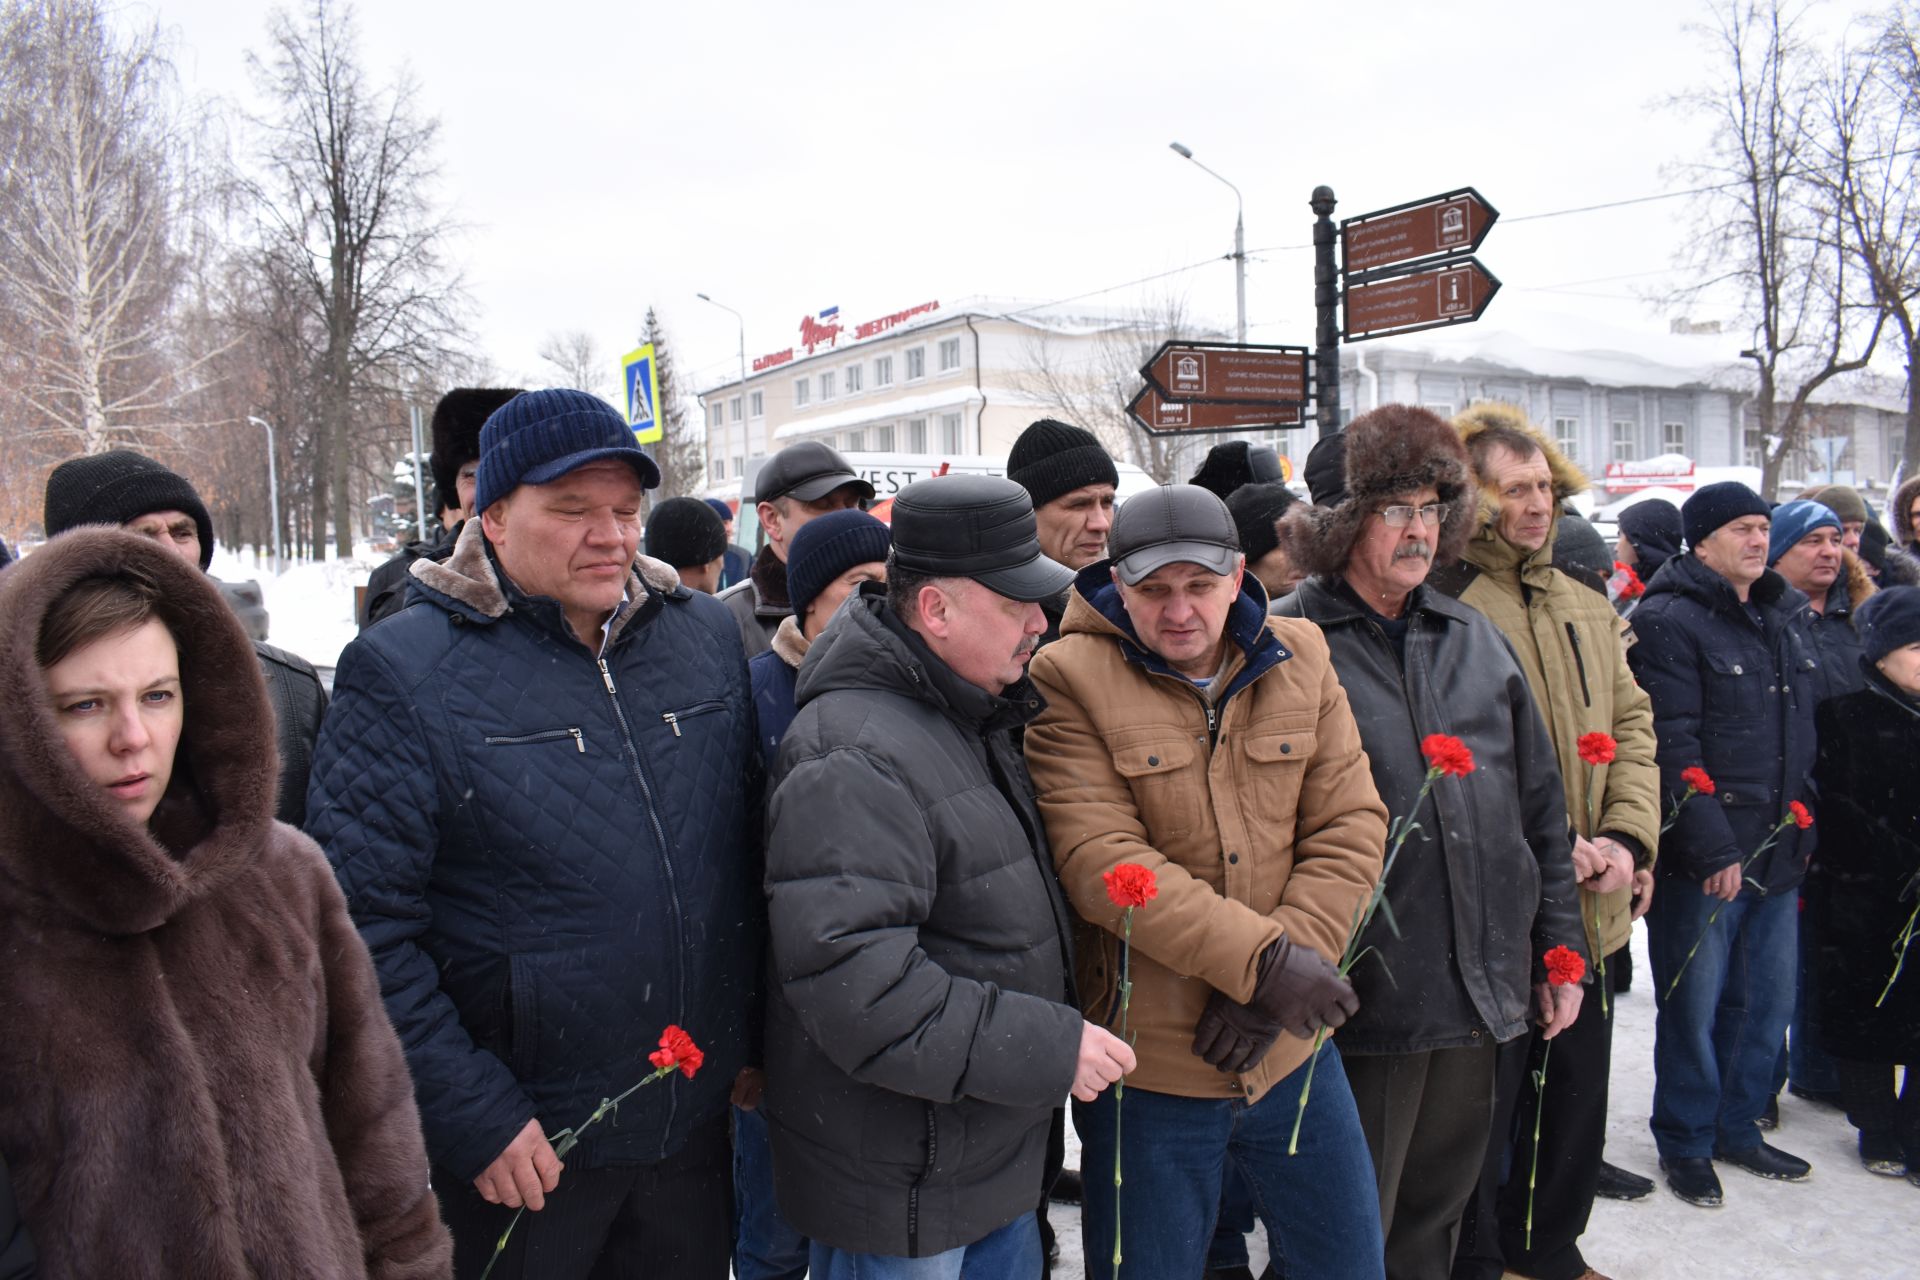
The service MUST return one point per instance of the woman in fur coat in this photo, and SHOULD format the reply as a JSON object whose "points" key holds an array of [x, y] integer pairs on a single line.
{"points": [[197, 1077]]}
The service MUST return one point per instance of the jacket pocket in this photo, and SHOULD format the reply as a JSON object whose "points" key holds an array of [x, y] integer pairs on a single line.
{"points": [[544, 735], [676, 720], [1167, 788], [1280, 761], [1733, 687]]}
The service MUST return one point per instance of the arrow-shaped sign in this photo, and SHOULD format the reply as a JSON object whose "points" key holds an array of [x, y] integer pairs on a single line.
{"points": [[1451, 224], [1160, 416], [1228, 373], [1421, 297]]}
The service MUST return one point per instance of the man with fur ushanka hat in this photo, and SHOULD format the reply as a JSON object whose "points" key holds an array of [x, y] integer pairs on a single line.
{"points": [[1485, 886], [455, 464], [1567, 638]]}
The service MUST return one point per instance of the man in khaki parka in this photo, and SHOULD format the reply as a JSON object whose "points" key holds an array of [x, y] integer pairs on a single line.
{"points": [[1188, 733], [1567, 638]]}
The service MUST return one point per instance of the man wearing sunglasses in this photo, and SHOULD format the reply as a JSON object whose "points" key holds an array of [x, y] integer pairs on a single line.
{"points": [[1484, 886]]}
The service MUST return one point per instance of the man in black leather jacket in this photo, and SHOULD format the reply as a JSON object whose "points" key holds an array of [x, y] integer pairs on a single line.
{"points": [[1485, 886]]}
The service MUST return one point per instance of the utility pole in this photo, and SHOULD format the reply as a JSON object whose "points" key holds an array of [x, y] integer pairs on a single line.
{"points": [[273, 487], [1326, 304]]}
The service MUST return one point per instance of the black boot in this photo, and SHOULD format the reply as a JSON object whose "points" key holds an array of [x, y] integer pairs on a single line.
{"points": [[1620, 1184]]}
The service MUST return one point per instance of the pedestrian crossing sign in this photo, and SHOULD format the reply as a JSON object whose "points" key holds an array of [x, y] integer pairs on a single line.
{"points": [[643, 394]]}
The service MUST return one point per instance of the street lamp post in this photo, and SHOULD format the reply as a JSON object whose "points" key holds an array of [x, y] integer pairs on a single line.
{"points": [[273, 486], [744, 414], [1239, 242]]}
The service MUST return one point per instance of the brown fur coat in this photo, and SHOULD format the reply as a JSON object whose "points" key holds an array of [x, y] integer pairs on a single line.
{"points": [[197, 1078]]}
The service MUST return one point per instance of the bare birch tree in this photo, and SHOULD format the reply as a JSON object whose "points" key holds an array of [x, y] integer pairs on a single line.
{"points": [[575, 357]]}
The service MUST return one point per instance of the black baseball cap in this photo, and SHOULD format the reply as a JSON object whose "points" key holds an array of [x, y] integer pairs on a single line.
{"points": [[1172, 524], [808, 471], [978, 527]]}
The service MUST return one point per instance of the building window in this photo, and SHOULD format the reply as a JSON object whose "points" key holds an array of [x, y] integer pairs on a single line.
{"points": [[1566, 436], [916, 363], [1626, 441], [802, 390], [1439, 408], [853, 379], [719, 469], [739, 466], [883, 371], [857, 441], [713, 414], [916, 430], [951, 436], [949, 354], [883, 438], [1754, 454], [733, 408], [1673, 437], [826, 385], [757, 404]]}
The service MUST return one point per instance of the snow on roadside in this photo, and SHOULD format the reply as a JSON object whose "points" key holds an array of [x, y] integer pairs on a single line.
{"points": [[310, 606]]}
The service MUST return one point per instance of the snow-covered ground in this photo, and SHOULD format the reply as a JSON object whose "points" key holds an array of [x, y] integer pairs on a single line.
{"points": [[1845, 1222], [310, 605]]}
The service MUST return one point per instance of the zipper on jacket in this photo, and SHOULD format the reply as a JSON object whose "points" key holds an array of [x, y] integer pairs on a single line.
{"points": [[913, 1192], [666, 863], [549, 735], [1580, 663], [673, 718]]}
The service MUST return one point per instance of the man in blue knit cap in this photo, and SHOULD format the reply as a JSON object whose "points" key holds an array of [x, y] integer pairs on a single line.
{"points": [[539, 792]]}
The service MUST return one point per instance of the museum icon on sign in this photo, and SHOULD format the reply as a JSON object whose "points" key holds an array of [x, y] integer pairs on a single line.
{"points": [[1189, 375]]}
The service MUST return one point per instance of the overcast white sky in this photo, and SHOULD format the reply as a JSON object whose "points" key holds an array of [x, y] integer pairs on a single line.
{"points": [[790, 157]]}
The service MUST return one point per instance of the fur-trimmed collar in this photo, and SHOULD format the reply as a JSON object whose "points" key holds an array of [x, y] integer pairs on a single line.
{"points": [[769, 574], [471, 581], [66, 850], [790, 643]]}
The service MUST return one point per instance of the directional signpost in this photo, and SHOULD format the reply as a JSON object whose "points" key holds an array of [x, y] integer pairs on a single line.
{"points": [[1195, 388], [1421, 297], [1454, 223], [1409, 267]]}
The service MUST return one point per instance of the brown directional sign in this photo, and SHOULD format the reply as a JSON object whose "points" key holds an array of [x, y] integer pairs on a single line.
{"points": [[1172, 417], [1451, 224], [1422, 297], [1226, 373]]}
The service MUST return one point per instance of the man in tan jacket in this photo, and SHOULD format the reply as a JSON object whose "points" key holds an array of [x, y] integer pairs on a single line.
{"points": [[1188, 733], [1566, 637]]}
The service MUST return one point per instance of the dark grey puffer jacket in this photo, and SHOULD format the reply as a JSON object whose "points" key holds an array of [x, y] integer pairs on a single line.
{"points": [[921, 1027]]}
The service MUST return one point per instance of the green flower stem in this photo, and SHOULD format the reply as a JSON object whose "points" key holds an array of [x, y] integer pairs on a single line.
{"points": [[1539, 1108], [566, 1141], [1120, 1085], [1600, 944], [1362, 917], [1674, 817], [1765, 845], [1900, 945]]}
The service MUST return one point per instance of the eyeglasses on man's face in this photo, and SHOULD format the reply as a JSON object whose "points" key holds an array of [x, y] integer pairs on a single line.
{"points": [[1432, 516]]}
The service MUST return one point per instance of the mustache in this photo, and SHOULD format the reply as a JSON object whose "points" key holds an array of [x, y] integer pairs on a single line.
{"points": [[1027, 647], [1413, 551]]}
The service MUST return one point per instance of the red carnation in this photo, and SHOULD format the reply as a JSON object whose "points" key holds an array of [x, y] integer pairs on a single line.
{"points": [[1564, 966], [1801, 818], [677, 1049], [1447, 754], [1698, 779], [1597, 748], [1631, 588], [1131, 885]]}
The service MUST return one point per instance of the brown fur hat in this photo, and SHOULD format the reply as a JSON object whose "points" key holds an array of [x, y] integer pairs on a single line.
{"points": [[1394, 450]]}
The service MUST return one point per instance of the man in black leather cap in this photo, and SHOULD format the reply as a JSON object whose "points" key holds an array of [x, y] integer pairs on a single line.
{"points": [[131, 490], [921, 1025], [800, 482]]}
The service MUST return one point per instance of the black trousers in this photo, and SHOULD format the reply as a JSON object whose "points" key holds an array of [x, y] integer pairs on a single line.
{"points": [[1866, 1089], [627, 1222], [1573, 1135], [1426, 1117]]}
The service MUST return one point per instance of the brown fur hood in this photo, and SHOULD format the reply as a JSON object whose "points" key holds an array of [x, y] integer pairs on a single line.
{"points": [[65, 847], [1859, 582], [1568, 479], [1392, 450], [1903, 530]]}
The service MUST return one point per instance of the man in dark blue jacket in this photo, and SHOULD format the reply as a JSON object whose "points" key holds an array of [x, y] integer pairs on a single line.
{"points": [[1733, 688], [537, 789]]}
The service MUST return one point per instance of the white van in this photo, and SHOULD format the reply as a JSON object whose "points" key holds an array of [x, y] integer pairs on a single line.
{"points": [[889, 473]]}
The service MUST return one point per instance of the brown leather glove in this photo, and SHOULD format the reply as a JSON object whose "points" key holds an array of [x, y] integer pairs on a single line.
{"points": [[1231, 1036], [1301, 991]]}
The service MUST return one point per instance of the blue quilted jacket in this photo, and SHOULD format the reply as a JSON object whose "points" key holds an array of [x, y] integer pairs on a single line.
{"points": [[549, 854]]}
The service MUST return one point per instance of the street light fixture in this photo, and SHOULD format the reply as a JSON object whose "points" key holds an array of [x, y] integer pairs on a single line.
{"points": [[273, 487], [744, 415], [1239, 240]]}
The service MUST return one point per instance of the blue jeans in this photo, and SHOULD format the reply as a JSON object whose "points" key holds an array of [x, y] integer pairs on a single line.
{"points": [[1011, 1253], [1717, 1037], [765, 1247], [1320, 1207]]}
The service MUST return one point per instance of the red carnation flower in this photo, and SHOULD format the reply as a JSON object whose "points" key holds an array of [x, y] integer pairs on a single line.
{"points": [[1565, 966], [1447, 754], [1597, 748], [1698, 779], [1131, 885], [1801, 818], [677, 1049], [1631, 588]]}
